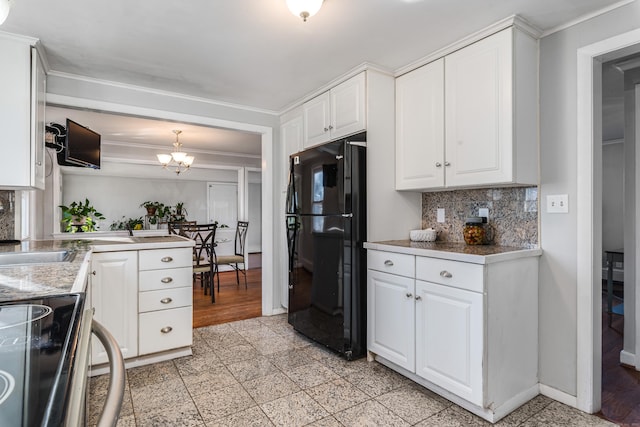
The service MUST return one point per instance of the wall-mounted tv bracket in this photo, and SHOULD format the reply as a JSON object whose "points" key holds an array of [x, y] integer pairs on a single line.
{"points": [[55, 136]]}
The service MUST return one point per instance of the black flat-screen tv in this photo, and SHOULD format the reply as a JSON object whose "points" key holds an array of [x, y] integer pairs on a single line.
{"points": [[81, 147]]}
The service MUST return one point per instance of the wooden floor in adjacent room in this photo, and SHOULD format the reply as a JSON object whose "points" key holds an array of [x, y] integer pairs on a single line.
{"points": [[620, 385], [233, 302]]}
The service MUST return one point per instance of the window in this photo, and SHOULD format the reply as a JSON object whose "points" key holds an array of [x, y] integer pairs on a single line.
{"points": [[318, 198]]}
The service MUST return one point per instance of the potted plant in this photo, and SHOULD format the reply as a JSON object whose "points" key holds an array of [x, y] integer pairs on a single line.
{"points": [[179, 212], [80, 216], [163, 211], [151, 207], [153, 222]]}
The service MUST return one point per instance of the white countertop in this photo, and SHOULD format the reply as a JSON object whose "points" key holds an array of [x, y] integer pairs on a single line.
{"points": [[476, 254]]}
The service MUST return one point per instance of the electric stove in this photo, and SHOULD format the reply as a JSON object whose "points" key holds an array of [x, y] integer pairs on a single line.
{"points": [[38, 339]]}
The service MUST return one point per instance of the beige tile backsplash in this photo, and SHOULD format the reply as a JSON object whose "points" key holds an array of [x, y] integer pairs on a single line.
{"points": [[513, 213], [7, 213]]}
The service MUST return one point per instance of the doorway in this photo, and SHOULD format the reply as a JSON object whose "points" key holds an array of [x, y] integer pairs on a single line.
{"points": [[589, 223]]}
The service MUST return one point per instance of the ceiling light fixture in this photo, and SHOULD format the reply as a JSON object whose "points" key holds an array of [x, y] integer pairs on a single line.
{"points": [[304, 8], [178, 157], [5, 7]]}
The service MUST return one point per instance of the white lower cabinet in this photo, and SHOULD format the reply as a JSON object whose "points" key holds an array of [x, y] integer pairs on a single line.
{"points": [[114, 295], [144, 298], [465, 330]]}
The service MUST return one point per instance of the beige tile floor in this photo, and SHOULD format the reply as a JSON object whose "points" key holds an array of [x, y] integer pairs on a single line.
{"points": [[259, 372]]}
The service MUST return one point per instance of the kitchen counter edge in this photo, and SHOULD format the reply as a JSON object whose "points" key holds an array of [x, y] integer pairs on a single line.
{"points": [[480, 254]]}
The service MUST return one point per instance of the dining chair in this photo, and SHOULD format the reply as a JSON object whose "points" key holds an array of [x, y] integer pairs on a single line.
{"points": [[204, 254], [238, 257], [175, 227]]}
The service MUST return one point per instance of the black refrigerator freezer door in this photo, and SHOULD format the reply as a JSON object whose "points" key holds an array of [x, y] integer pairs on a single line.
{"points": [[319, 180]]}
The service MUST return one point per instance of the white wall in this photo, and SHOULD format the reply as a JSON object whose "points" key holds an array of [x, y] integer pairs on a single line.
{"points": [[558, 150], [116, 196], [254, 214]]}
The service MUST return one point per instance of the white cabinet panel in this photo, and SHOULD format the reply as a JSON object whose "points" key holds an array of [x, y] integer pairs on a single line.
{"points": [[316, 120], [449, 339], [390, 318], [22, 106], [457, 274], [292, 134], [393, 263], [114, 287], [153, 259], [150, 280], [420, 128], [165, 299], [479, 112]]}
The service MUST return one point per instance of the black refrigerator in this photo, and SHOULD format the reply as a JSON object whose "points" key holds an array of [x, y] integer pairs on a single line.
{"points": [[326, 229]]}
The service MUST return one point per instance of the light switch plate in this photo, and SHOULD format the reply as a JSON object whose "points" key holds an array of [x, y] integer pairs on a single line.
{"points": [[558, 203], [440, 215], [484, 212]]}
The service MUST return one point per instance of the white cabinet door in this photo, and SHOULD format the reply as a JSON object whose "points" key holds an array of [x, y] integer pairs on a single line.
{"points": [[38, 95], [292, 133], [348, 107], [390, 317], [479, 112], [114, 286], [420, 128], [449, 339], [317, 120]]}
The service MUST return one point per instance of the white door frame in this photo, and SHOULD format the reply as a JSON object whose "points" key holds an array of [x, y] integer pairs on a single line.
{"points": [[270, 275], [589, 221]]}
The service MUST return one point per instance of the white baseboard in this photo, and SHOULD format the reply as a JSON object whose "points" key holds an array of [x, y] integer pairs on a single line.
{"points": [[558, 395], [628, 358]]}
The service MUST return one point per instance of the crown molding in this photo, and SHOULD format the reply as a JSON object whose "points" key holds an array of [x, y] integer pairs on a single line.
{"points": [[584, 18], [160, 92]]}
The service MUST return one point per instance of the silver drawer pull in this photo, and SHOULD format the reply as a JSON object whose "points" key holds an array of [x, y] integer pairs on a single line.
{"points": [[418, 297], [166, 280], [166, 329], [438, 164], [388, 263], [445, 273], [409, 294], [166, 300], [166, 259]]}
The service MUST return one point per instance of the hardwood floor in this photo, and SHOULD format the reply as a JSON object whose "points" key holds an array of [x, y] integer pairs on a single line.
{"points": [[232, 302], [620, 385]]}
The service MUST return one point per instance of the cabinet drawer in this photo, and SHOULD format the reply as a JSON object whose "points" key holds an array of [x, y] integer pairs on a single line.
{"points": [[152, 280], [458, 274], [165, 299], [165, 258], [164, 330], [391, 262]]}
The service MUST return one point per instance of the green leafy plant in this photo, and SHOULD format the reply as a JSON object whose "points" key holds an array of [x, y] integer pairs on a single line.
{"points": [[178, 213], [163, 211], [151, 207], [153, 219], [80, 216], [134, 224]]}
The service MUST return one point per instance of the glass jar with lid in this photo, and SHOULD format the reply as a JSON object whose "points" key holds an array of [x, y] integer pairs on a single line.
{"points": [[476, 231]]}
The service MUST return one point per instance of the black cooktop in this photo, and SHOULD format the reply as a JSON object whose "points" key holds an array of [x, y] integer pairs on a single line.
{"points": [[37, 345]]}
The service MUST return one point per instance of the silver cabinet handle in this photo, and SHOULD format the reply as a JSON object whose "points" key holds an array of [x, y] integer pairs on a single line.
{"points": [[446, 274], [418, 297], [438, 164], [166, 329], [166, 280], [388, 263], [326, 129], [447, 164], [409, 294], [166, 300], [166, 259], [93, 272], [330, 127]]}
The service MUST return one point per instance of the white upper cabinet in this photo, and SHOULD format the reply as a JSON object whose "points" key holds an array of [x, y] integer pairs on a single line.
{"points": [[336, 113], [489, 117], [22, 84], [292, 133], [420, 127]]}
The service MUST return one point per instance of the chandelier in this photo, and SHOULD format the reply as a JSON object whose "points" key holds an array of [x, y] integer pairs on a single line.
{"points": [[178, 158], [304, 8]]}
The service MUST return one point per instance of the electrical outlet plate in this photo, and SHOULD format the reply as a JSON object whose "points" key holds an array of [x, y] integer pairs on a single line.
{"points": [[558, 203], [483, 212], [440, 214]]}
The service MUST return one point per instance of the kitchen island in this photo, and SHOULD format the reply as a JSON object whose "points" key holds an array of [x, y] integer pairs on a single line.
{"points": [[460, 320]]}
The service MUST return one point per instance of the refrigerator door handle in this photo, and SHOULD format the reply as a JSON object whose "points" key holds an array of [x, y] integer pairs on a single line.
{"points": [[349, 215]]}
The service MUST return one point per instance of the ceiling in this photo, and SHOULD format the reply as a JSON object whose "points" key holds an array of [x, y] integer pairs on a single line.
{"points": [[252, 53]]}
